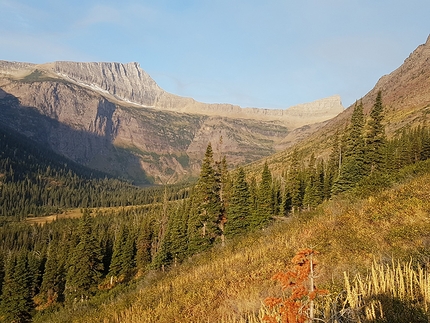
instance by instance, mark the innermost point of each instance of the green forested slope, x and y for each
(36, 181)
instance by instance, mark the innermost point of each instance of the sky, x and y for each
(253, 53)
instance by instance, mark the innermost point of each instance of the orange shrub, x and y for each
(298, 307)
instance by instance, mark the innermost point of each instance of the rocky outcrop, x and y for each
(126, 82)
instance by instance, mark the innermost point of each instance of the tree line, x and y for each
(38, 182)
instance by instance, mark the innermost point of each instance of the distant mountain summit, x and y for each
(115, 118)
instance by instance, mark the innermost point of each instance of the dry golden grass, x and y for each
(77, 213)
(41, 220)
(401, 284)
(229, 284)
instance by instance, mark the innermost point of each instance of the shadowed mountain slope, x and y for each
(130, 115)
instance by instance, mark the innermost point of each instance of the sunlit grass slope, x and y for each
(229, 284)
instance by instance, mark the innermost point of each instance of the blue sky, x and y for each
(254, 53)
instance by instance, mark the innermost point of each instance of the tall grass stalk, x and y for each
(366, 295)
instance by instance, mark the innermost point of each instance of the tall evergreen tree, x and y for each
(144, 244)
(287, 204)
(253, 191)
(295, 182)
(85, 265)
(178, 232)
(222, 176)
(53, 281)
(2, 269)
(206, 213)
(314, 188)
(425, 152)
(16, 301)
(333, 166)
(375, 139)
(123, 253)
(352, 169)
(265, 199)
(239, 211)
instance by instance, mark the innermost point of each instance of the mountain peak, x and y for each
(126, 82)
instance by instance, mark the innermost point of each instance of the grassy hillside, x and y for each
(229, 284)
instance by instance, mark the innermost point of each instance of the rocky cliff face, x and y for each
(127, 82)
(115, 118)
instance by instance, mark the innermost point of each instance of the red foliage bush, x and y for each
(298, 307)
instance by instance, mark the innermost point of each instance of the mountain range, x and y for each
(113, 117)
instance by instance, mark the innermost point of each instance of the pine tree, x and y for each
(333, 166)
(353, 165)
(2, 269)
(144, 244)
(239, 211)
(206, 213)
(16, 301)
(425, 153)
(287, 203)
(253, 193)
(375, 139)
(122, 261)
(53, 281)
(35, 264)
(85, 267)
(264, 199)
(314, 187)
(222, 176)
(295, 182)
(178, 233)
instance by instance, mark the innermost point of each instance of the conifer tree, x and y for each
(425, 152)
(253, 193)
(178, 232)
(294, 182)
(287, 204)
(353, 165)
(222, 176)
(16, 300)
(239, 211)
(85, 267)
(264, 200)
(314, 187)
(122, 261)
(333, 166)
(35, 264)
(53, 281)
(2, 269)
(174, 246)
(205, 216)
(144, 244)
(277, 198)
(375, 139)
